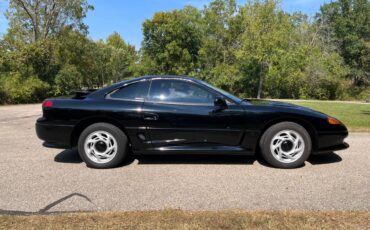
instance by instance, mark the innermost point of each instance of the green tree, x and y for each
(16, 89)
(75, 49)
(221, 30)
(221, 26)
(172, 41)
(347, 22)
(122, 59)
(265, 37)
(39, 60)
(33, 49)
(31, 20)
(256, 49)
(67, 80)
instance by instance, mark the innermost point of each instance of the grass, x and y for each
(356, 116)
(177, 219)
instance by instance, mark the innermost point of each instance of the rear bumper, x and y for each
(331, 141)
(53, 134)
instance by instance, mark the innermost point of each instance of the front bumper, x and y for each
(54, 134)
(331, 141)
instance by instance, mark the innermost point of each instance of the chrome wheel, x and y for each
(287, 146)
(100, 147)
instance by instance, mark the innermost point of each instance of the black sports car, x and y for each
(172, 114)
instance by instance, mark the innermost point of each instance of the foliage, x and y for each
(348, 24)
(67, 80)
(32, 20)
(252, 50)
(266, 37)
(19, 90)
(3, 96)
(172, 41)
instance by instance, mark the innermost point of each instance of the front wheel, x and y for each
(286, 145)
(102, 145)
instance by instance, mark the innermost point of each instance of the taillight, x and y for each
(47, 104)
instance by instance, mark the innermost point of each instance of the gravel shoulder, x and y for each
(34, 179)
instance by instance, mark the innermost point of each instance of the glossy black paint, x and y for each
(153, 127)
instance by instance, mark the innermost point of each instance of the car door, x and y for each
(125, 105)
(182, 113)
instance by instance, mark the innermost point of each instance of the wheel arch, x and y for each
(305, 124)
(82, 125)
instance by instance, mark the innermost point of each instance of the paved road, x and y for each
(37, 179)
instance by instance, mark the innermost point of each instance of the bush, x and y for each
(358, 93)
(19, 90)
(67, 80)
(2, 96)
(364, 95)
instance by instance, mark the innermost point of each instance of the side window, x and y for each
(135, 91)
(179, 92)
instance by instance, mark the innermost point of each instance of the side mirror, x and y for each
(220, 104)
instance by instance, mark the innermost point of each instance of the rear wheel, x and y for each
(286, 145)
(102, 145)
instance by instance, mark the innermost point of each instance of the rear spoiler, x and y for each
(80, 94)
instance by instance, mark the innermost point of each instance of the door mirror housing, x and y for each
(220, 104)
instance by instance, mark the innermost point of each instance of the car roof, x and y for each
(164, 77)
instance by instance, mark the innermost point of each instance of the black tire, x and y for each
(269, 134)
(119, 136)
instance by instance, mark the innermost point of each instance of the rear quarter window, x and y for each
(134, 91)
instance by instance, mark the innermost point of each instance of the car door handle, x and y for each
(151, 117)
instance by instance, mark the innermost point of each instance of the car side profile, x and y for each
(182, 115)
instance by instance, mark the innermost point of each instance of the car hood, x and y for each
(282, 105)
(270, 103)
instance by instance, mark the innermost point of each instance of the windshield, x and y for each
(232, 97)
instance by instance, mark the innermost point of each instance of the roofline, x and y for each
(167, 76)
